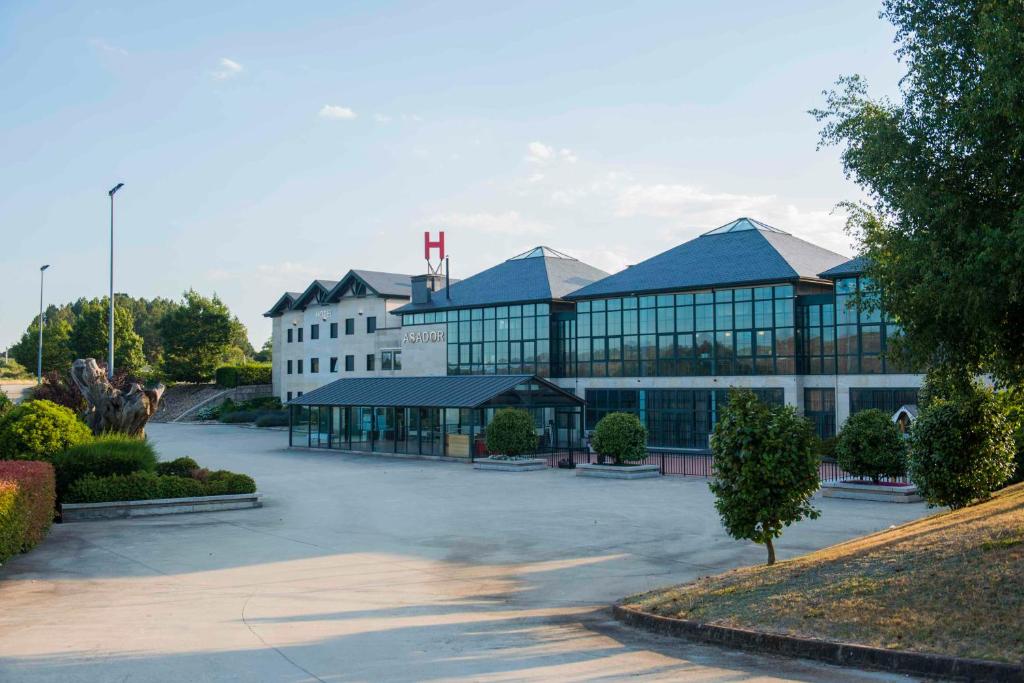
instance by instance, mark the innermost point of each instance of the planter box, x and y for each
(120, 509)
(902, 493)
(496, 465)
(618, 471)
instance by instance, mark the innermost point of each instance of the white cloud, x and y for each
(227, 68)
(539, 153)
(507, 222)
(673, 201)
(333, 111)
(104, 46)
(381, 118)
(568, 155)
(535, 178)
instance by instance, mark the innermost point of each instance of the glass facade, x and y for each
(820, 409)
(863, 332)
(675, 418)
(886, 400)
(495, 340)
(735, 331)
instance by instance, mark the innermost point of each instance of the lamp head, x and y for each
(114, 189)
(44, 267)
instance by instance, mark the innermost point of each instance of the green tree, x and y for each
(89, 336)
(196, 337)
(511, 432)
(870, 445)
(620, 436)
(766, 470)
(961, 450)
(944, 171)
(266, 352)
(57, 354)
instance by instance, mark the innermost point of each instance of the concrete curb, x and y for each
(842, 654)
(122, 509)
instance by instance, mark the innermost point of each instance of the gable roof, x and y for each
(538, 274)
(389, 285)
(454, 391)
(854, 266)
(283, 304)
(744, 251)
(318, 289)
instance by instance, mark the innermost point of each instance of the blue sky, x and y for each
(262, 145)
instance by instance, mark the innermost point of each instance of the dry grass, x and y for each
(951, 583)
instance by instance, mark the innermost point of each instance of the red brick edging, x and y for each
(842, 654)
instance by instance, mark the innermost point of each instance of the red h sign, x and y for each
(428, 245)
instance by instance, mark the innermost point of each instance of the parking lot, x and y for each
(370, 568)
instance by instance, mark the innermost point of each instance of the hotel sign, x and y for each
(431, 337)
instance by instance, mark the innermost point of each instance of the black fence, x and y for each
(685, 464)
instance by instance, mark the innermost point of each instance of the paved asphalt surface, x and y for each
(361, 568)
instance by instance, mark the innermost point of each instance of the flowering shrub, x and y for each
(27, 495)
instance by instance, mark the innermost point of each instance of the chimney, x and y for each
(425, 285)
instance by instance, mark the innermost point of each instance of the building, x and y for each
(745, 305)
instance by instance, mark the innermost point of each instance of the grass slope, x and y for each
(952, 583)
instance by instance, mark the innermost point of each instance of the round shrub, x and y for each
(179, 467)
(223, 482)
(620, 436)
(38, 430)
(239, 416)
(103, 456)
(961, 450)
(277, 418)
(766, 469)
(511, 432)
(870, 445)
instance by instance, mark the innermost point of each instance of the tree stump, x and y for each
(112, 409)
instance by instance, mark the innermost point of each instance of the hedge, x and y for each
(106, 455)
(27, 497)
(273, 419)
(231, 376)
(37, 430)
(179, 467)
(148, 486)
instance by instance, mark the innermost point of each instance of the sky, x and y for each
(263, 145)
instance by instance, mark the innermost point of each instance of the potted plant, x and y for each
(512, 441)
(621, 438)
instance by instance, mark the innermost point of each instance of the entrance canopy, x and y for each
(457, 391)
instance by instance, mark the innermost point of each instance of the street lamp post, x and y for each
(110, 336)
(39, 359)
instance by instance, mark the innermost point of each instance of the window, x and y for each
(299, 330)
(289, 365)
(334, 363)
(314, 365)
(820, 409)
(350, 363)
(391, 360)
(370, 362)
(299, 365)
(886, 400)
(314, 331)
(289, 396)
(371, 324)
(289, 335)
(334, 330)
(298, 394)
(350, 325)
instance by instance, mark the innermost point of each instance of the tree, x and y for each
(870, 445)
(944, 171)
(56, 348)
(766, 469)
(620, 436)
(266, 352)
(511, 432)
(961, 450)
(90, 335)
(195, 337)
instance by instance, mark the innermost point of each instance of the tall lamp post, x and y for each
(39, 359)
(110, 336)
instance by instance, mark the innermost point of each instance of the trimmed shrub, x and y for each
(223, 482)
(27, 497)
(620, 436)
(231, 376)
(511, 432)
(38, 430)
(106, 455)
(870, 445)
(240, 416)
(961, 450)
(278, 418)
(766, 469)
(134, 486)
(5, 404)
(179, 467)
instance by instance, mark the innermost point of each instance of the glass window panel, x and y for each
(630, 322)
(784, 312)
(763, 343)
(684, 299)
(783, 291)
(597, 305)
(762, 292)
(785, 344)
(846, 285)
(665, 300)
(647, 321)
(871, 339)
(684, 318)
(704, 298)
(763, 313)
(583, 307)
(647, 302)
(629, 302)
(614, 322)
(705, 317)
(666, 320)
(745, 294)
(723, 316)
(744, 314)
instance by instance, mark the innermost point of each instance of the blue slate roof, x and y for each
(456, 391)
(854, 266)
(540, 274)
(282, 304)
(396, 285)
(749, 252)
